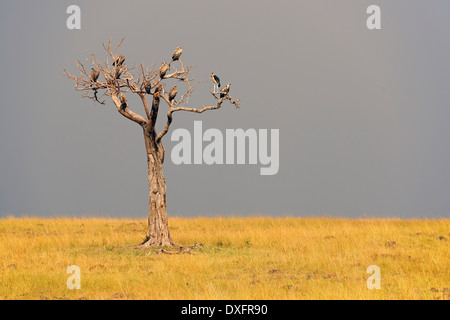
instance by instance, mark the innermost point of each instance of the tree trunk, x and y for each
(158, 227)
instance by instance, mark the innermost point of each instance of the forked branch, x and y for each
(115, 79)
(224, 95)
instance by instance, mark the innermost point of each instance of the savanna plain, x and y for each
(235, 258)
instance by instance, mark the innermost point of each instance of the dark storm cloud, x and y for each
(362, 114)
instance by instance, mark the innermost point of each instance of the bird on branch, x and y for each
(119, 61)
(172, 93)
(123, 101)
(225, 90)
(176, 54)
(94, 74)
(163, 70)
(158, 90)
(216, 81)
(148, 87)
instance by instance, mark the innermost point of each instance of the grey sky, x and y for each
(363, 115)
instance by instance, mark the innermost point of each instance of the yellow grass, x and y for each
(242, 258)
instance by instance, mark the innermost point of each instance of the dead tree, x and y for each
(116, 80)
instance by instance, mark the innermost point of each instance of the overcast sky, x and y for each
(362, 114)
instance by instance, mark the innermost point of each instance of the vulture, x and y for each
(163, 70)
(172, 93)
(148, 87)
(225, 91)
(216, 81)
(123, 101)
(158, 90)
(176, 54)
(94, 74)
(119, 61)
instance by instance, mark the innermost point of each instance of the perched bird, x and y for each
(158, 90)
(94, 74)
(225, 90)
(216, 81)
(148, 87)
(172, 93)
(119, 71)
(163, 70)
(176, 54)
(123, 101)
(119, 61)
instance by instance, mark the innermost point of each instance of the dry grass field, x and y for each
(241, 258)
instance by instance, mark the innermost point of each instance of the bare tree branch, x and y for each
(201, 110)
(118, 79)
(155, 109)
(127, 113)
(145, 103)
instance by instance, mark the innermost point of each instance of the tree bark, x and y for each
(158, 227)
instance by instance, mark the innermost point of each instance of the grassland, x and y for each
(241, 258)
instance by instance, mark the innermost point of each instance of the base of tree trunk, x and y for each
(149, 243)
